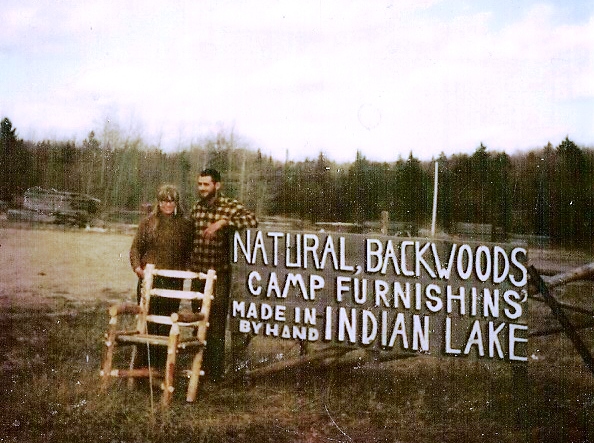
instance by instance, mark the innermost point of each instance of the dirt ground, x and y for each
(59, 269)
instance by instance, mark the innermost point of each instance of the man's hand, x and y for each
(210, 232)
(139, 271)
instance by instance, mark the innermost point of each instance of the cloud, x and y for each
(385, 78)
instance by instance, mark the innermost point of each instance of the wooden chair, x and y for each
(187, 333)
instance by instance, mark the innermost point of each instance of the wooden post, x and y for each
(385, 222)
(581, 273)
(520, 393)
(297, 362)
(562, 319)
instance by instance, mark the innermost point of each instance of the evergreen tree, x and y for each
(15, 163)
(359, 187)
(570, 193)
(415, 193)
(445, 200)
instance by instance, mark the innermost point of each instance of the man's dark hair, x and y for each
(212, 173)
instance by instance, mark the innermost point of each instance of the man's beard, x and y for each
(208, 196)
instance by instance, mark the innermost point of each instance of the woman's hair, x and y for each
(165, 192)
(168, 192)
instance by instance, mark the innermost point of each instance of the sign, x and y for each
(381, 292)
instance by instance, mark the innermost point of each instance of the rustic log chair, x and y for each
(187, 333)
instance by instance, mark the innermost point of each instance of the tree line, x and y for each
(545, 191)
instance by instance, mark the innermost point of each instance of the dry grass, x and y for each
(55, 285)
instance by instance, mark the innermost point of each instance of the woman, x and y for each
(164, 239)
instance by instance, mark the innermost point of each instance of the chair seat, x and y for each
(161, 340)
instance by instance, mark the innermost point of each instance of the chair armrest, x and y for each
(124, 308)
(189, 317)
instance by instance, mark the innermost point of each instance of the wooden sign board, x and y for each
(382, 292)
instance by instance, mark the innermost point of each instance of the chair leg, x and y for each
(170, 365)
(133, 357)
(108, 360)
(194, 376)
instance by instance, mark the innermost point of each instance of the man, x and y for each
(215, 218)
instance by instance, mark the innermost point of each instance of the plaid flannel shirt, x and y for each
(214, 253)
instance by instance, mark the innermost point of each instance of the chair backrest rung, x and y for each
(173, 293)
(176, 274)
(160, 319)
(205, 296)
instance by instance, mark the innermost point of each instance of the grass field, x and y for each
(56, 284)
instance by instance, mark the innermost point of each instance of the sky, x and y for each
(295, 79)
